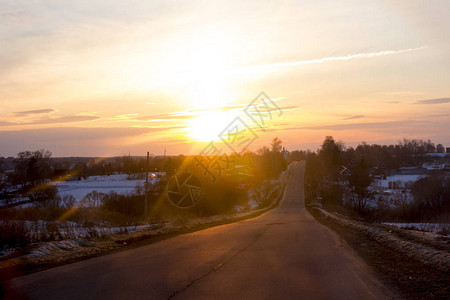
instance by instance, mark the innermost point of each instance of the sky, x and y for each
(103, 78)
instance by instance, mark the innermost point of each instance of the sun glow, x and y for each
(208, 126)
(203, 70)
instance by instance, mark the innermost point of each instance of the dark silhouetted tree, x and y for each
(329, 154)
(32, 168)
(359, 182)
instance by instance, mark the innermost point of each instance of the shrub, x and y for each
(13, 234)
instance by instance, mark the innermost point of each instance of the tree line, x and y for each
(342, 177)
(35, 170)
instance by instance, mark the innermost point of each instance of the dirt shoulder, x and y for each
(414, 265)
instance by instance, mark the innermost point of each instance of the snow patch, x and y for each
(118, 183)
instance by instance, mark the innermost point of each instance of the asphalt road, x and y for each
(283, 254)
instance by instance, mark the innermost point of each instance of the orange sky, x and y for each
(102, 79)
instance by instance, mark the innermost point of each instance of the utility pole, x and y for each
(146, 187)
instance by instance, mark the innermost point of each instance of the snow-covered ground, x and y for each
(118, 183)
(403, 178)
(415, 249)
(429, 227)
(69, 234)
(393, 195)
(69, 229)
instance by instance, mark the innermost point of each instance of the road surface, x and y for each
(282, 254)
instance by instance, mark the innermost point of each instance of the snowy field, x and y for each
(402, 178)
(118, 183)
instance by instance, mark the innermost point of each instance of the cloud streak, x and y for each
(66, 119)
(341, 58)
(434, 101)
(353, 117)
(47, 121)
(362, 126)
(192, 114)
(166, 117)
(35, 112)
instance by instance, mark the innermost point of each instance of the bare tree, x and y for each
(69, 201)
(93, 199)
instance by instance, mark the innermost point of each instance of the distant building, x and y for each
(285, 153)
(377, 173)
(447, 150)
(411, 170)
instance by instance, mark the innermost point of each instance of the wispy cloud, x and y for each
(191, 114)
(243, 106)
(289, 107)
(4, 123)
(341, 58)
(434, 101)
(166, 117)
(65, 119)
(399, 93)
(353, 117)
(35, 112)
(437, 116)
(361, 126)
(222, 108)
(48, 121)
